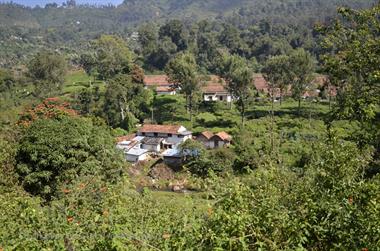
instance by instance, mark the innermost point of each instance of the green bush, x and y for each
(52, 152)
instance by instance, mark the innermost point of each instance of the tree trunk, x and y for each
(272, 123)
(122, 112)
(299, 106)
(242, 113)
(191, 107)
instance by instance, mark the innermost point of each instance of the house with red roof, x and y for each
(160, 84)
(212, 141)
(215, 90)
(152, 140)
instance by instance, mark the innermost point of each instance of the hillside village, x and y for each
(164, 140)
(190, 125)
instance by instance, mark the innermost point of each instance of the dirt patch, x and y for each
(160, 171)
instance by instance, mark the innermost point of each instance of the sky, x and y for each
(42, 3)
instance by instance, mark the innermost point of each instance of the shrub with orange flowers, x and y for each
(50, 108)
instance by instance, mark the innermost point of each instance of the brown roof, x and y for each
(125, 138)
(214, 85)
(164, 89)
(224, 136)
(156, 80)
(260, 83)
(207, 134)
(147, 128)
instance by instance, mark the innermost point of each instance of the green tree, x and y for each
(352, 63)
(126, 101)
(303, 68)
(48, 71)
(277, 72)
(55, 151)
(239, 77)
(175, 30)
(113, 56)
(183, 74)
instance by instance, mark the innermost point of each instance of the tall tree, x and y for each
(277, 72)
(303, 68)
(47, 70)
(175, 30)
(239, 77)
(125, 102)
(183, 74)
(353, 62)
(113, 56)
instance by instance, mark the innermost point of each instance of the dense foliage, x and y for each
(53, 152)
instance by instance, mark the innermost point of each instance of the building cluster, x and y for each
(165, 141)
(214, 89)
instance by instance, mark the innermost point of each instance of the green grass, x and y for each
(76, 81)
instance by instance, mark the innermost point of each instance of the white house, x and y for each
(136, 154)
(172, 135)
(215, 90)
(160, 84)
(152, 139)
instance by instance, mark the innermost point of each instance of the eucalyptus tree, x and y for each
(183, 73)
(237, 73)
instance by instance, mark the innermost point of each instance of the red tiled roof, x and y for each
(156, 80)
(147, 128)
(125, 138)
(260, 83)
(164, 89)
(207, 134)
(223, 136)
(214, 85)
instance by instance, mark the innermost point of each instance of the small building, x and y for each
(212, 141)
(215, 90)
(171, 134)
(172, 157)
(152, 144)
(160, 84)
(205, 138)
(136, 154)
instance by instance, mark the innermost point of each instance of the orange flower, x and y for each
(364, 249)
(210, 211)
(70, 219)
(166, 236)
(82, 185)
(350, 200)
(66, 191)
(105, 213)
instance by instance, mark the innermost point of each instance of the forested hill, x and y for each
(23, 30)
(135, 11)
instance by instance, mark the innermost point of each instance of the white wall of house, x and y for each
(166, 93)
(152, 148)
(135, 158)
(217, 97)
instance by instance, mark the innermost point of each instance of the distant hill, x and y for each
(24, 29)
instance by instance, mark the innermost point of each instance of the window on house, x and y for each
(170, 135)
(143, 133)
(155, 134)
(221, 98)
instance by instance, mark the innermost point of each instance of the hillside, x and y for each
(24, 29)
